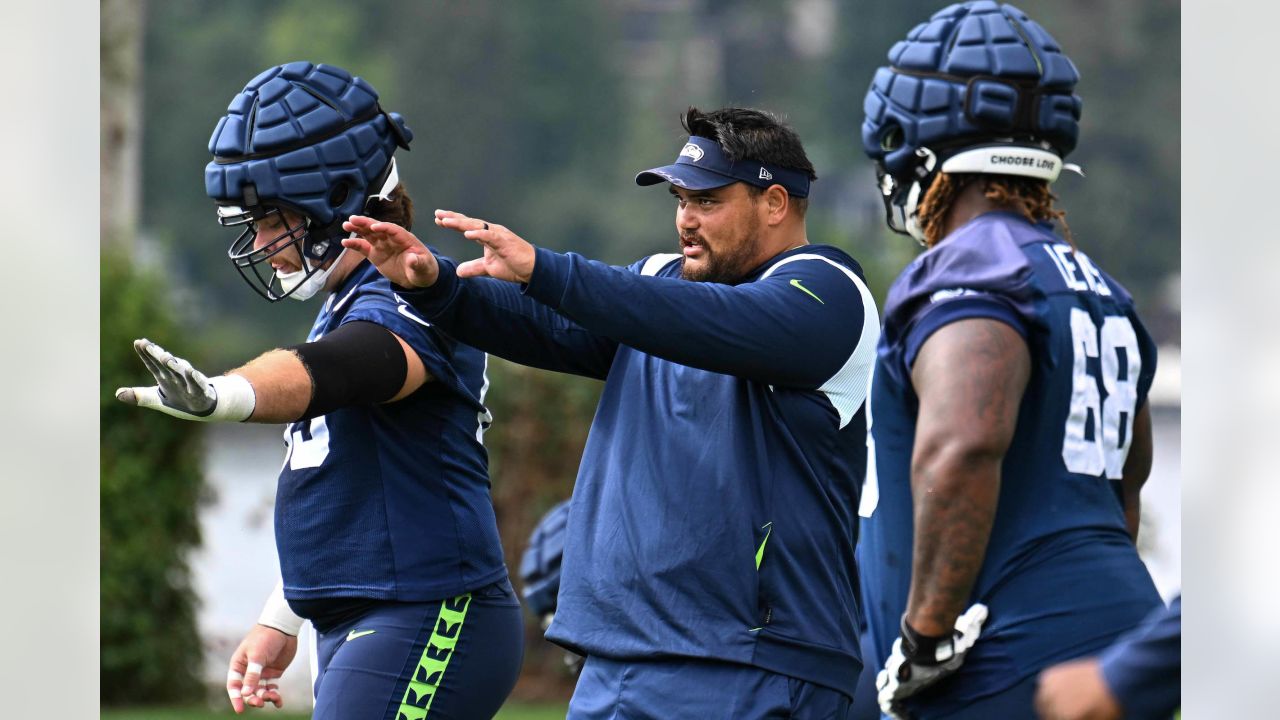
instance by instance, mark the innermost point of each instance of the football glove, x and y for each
(184, 392)
(917, 661)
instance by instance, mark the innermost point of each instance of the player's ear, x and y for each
(777, 202)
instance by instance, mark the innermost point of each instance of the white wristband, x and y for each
(235, 398)
(276, 613)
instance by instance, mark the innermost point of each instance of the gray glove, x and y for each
(921, 662)
(184, 392)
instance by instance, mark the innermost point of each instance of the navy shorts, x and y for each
(1015, 703)
(456, 658)
(701, 689)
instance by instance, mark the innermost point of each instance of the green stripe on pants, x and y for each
(429, 674)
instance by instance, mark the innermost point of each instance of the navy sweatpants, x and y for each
(661, 689)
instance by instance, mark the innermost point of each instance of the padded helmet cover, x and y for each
(311, 138)
(974, 73)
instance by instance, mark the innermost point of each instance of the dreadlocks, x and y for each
(1028, 196)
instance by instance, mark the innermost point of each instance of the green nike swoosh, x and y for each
(795, 282)
(353, 634)
(769, 525)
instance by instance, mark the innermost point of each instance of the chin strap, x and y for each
(309, 281)
(393, 179)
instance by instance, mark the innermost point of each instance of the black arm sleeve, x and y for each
(359, 363)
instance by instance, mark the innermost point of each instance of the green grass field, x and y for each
(511, 711)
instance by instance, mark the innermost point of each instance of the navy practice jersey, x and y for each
(390, 501)
(714, 514)
(1061, 576)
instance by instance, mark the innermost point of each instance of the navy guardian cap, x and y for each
(978, 88)
(540, 565)
(702, 165)
(309, 139)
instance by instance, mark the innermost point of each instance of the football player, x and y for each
(1010, 425)
(540, 571)
(385, 529)
(708, 566)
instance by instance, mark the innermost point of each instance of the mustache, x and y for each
(691, 238)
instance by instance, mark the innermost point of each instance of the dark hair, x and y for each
(398, 208)
(746, 134)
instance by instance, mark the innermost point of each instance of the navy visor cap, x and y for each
(701, 165)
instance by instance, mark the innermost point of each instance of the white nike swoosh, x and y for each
(404, 310)
(338, 305)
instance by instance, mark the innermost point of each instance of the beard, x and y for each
(727, 265)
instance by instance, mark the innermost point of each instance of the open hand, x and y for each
(180, 389)
(397, 253)
(506, 255)
(184, 392)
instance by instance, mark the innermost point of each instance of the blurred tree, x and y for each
(121, 126)
(151, 482)
(150, 465)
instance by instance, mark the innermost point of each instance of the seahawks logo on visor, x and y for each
(691, 151)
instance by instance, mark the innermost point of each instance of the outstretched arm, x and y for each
(358, 363)
(486, 313)
(796, 327)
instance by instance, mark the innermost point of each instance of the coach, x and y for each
(708, 568)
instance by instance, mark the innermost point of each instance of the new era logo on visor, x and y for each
(765, 174)
(691, 151)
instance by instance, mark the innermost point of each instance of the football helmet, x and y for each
(978, 88)
(303, 147)
(540, 566)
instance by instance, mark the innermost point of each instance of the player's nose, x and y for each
(686, 220)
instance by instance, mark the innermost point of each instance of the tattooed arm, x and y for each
(969, 376)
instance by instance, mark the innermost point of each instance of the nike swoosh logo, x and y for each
(338, 305)
(353, 634)
(795, 283)
(404, 310)
(768, 532)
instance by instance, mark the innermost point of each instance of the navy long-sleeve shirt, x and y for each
(1144, 667)
(714, 513)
